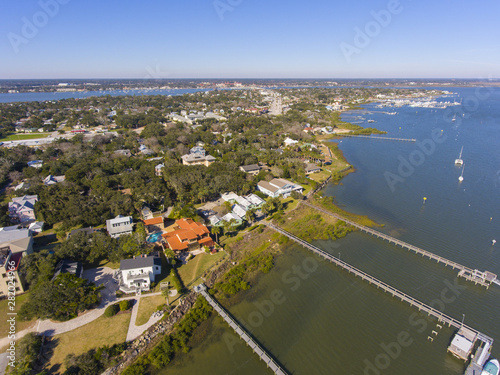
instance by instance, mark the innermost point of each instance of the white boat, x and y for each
(454, 118)
(459, 161)
(461, 178)
(492, 367)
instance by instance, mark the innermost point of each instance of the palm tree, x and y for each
(250, 215)
(215, 230)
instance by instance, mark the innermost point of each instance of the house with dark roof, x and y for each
(89, 231)
(67, 266)
(251, 169)
(188, 235)
(138, 273)
(311, 168)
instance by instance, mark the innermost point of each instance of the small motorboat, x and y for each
(492, 367)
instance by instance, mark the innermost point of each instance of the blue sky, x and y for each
(249, 39)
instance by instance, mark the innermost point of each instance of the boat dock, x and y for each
(483, 278)
(240, 331)
(472, 334)
(379, 138)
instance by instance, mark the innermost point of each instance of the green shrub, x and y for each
(111, 310)
(125, 304)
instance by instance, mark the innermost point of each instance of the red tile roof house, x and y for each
(188, 236)
(155, 224)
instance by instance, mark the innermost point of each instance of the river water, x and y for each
(317, 319)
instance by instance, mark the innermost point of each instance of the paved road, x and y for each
(135, 331)
(100, 276)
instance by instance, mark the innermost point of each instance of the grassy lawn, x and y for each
(198, 265)
(107, 263)
(23, 136)
(4, 309)
(147, 306)
(100, 332)
(319, 176)
(290, 204)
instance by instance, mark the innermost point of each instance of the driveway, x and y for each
(99, 276)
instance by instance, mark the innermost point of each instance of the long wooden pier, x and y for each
(441, 317)
(240, 331)
(484, 278)
(379, 138)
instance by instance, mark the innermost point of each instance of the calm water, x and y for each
(42, 96)
(330, 322)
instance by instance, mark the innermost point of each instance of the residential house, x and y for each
(125, 152)
(251, 169)
(232, 216)
(10, 281)
(35, 163)
(17, 239)
(229, 197)
(138, 273)
(119, 225)
(215, 116)
(22, 209)
(215, 220)
(239, 210)
(158, 169)
(89, 231)
(145, 150)
(278, 187)
(51, 180)
(188, 236)
(22, 186)
(311, 168)
(177, 118)
(155, 224)
(67, 266)
(36, 227)
(256, 201)
(198, 150)
(290, 142)
(194, 159)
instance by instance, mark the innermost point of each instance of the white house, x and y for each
(119, 225)
(51, 180)
(239, 210)
(138, 273)
(290, 142)
(256, 201)
(277, 187)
